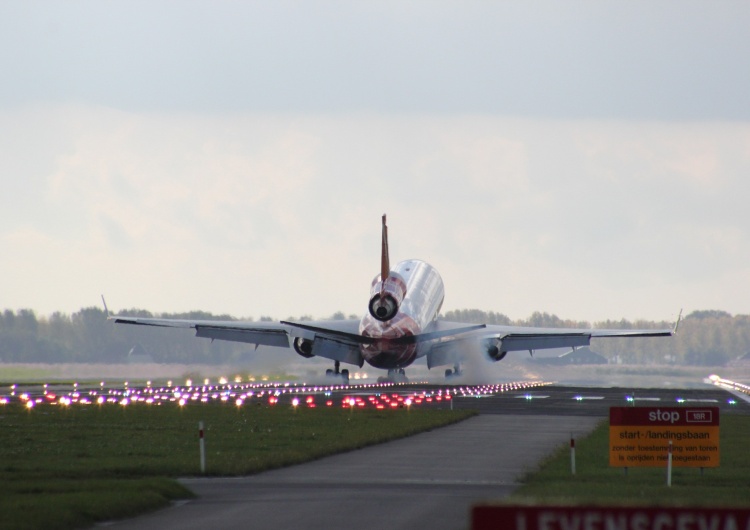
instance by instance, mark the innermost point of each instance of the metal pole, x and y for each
(202, 446)
(669, 465)
(572, 455)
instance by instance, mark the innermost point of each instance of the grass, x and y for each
(66, 467)
(598, 484)
(19, 372)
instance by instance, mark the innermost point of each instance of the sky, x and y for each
(588, 159)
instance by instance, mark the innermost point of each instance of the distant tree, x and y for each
(545, 320)
(476, 316)
(710, 313)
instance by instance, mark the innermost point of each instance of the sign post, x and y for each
(669, 466)
(202, 445)
(572, 455)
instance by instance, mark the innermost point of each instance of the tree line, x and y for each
(710, 338)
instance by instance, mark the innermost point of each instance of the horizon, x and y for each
(700, 313)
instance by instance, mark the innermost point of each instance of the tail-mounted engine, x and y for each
(303, 347)
(492, 348)
(386, 297)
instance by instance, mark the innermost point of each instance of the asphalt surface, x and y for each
(426, 481)
(590, 401)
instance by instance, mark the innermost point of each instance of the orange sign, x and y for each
(640, 436)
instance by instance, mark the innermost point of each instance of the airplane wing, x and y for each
(499, 340)
(330, 339)
(520, 339)
(446, 343)
(258, 333)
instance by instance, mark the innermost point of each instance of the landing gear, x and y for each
(455, 372)
(395, 375)
(337, 373)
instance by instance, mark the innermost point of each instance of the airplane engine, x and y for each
(304, 347)
(386, 297)
(492, 347)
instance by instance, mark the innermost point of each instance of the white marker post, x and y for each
(669, 465)
(202, 446)
(572, 455)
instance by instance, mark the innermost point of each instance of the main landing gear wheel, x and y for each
(395, 375)
(336, 373)
(455, 372)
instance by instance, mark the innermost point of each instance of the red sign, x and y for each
(663, 416)
(603, 518)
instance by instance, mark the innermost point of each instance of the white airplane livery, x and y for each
(402, 325)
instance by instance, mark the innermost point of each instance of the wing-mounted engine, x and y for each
(386, 296)
(492, 348)
(303, 347)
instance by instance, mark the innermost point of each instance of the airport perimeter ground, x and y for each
(430, 480)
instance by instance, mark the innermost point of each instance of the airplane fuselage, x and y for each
(417, 311)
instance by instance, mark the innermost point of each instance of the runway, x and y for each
(591, 401)
(426, 481)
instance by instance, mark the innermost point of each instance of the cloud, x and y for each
(277, 214)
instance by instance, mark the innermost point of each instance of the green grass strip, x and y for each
(66, 467)
(595, 483)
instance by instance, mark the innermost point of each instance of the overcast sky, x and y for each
(588, 159)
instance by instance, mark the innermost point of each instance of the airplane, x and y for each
(401, 325)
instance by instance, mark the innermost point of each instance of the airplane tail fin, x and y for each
(385, 264)
(677, 324)
(387, 294)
